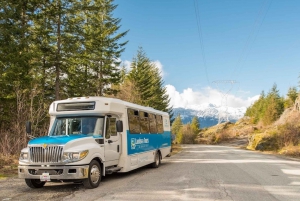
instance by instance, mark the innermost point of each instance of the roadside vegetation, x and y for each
(271, 124)
(185, 133)
(8, 166)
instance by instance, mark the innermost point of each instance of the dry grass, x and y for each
(225, 132)
(293, 151)
(175, 149)
(8, 166)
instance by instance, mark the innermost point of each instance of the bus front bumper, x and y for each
(55, 172)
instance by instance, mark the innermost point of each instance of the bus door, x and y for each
(112, 141)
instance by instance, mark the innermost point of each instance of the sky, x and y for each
(208, 48)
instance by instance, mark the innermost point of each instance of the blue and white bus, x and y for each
(90, 137)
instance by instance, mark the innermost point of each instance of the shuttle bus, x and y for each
(90, 137)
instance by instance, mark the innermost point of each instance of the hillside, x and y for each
(230, 133)
(282, 136)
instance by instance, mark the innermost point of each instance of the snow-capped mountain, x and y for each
(208, 114)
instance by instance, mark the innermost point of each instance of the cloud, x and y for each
(191, 99)
(160, 67)
(127, 65)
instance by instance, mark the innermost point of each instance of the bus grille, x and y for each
(50, 154)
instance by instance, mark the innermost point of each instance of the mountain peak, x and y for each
(208, 114)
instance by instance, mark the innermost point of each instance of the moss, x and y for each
(263, 142)
(254, 140)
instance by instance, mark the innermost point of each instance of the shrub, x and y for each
(264, 141)
(289, 135)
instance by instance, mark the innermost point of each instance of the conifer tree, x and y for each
(140, 76)
(291, 97)
(177, 124)
(101, 47)
(148, 82)
(274, 106)
(293, 94)
(195, 125)
(257, 110)
(15, 58)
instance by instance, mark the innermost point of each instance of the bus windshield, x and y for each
(78, 125)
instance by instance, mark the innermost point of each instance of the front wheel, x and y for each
(156, 160)
(34, 183)
(94, 177)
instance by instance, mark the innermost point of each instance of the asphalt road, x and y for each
(203, 172)
(199, 172)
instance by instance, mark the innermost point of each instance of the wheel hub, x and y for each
(95, 174)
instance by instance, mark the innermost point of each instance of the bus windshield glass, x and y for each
(78, 125)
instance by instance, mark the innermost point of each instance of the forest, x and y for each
(56, 49)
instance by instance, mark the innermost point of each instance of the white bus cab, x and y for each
(92, 136)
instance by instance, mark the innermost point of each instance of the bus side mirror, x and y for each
(28, 127)
(119, 126)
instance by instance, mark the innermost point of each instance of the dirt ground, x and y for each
(13, 188)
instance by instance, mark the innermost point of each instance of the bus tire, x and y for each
(94, 176)
(156, 162)
(34, 183)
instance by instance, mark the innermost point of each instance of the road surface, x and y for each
(205, 172)
(199, 172)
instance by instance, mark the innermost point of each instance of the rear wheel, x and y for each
(94, 177)
(156, 162)
(34, 183)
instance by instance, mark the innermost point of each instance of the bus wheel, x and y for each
(156, 162)
(34, 183)
(94, 176)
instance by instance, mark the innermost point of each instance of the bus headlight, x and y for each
(74, 156)
(23, 156)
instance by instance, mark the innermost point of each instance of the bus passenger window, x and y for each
(152, 119)
(144, 121)
(160, 128)
(134, 121)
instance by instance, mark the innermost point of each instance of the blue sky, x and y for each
(255, 43)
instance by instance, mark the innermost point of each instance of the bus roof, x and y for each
(94, 105)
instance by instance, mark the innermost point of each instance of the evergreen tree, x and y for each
(177, 124)
(292, 93)
(101, 47)
(148, 84)
(257, 110)
(140, 76)
(15, 57)
(274, 106)
(195, 125)
(291, 97)
(52, 49)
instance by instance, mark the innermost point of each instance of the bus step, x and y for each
(111, 170)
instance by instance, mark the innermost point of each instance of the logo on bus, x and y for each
(133, 140)
(141, 142)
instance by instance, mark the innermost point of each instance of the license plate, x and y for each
(45, 177)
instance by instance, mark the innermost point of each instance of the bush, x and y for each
(289, 135)
(291, 151)
(264, 142)
(186, 135)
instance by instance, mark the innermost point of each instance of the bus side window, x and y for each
(160, 128)
(153, 128)
(144, 121)
(134, 121)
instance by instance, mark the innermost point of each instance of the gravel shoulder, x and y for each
(13, 188)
